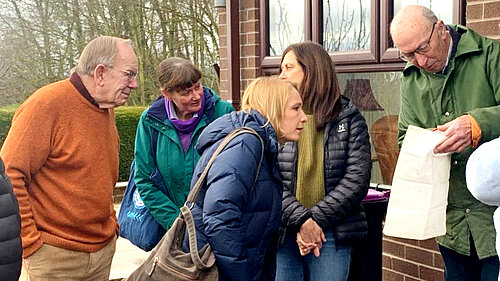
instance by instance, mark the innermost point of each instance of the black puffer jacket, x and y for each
(347, 167)
(10, 230)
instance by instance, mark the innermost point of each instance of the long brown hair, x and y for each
(319, 89)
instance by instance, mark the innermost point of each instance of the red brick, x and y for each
(223, 52)
(393, 248)
(223, 63)
(474, 12)
(431, 274)
(249, 73)
(223, 74)
(251, 50)
(386, 262)
(249, 62)
(409, 278)
(486, 28)
(430, 244)
(223, 86)
(224, 94)
(249, 26)
(248, 4)
(223, 41)
(222, 16)
(252, 38)
(249, 39)
(222, 30)
(438, 261)
(244, 84)
(388, 275)
(243, 63)
(492, 10)
(420, 255)
(253, 62)
(243, 16)
(253, 14)
(405, 267)
(401, 240)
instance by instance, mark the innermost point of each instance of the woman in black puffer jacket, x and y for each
(326, 174)
(10, 231)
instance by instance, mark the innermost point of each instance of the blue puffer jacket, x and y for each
(10, 231)
(239, 220)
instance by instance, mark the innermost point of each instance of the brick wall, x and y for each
(408, 260)
(484, 17)
(223, 53)
(249, 41)
(249, 45)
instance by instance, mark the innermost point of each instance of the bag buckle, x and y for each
(190, 205)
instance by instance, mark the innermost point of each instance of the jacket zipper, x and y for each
(153, 266)
(169, 268)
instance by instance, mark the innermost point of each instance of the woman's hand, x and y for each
(310, 231)
(310, 237)
(305, 247)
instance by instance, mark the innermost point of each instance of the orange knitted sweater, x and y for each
(61, 155)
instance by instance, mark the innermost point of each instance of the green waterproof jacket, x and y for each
(470, 86)
(175, 166)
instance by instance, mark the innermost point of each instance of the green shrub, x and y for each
(127, 118)
(6, 114)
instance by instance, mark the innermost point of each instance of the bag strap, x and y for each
(238, 131)
(185, 211)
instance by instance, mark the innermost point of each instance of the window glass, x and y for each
(286, 24)
(377, 96)
(442, 8)
(346, 25)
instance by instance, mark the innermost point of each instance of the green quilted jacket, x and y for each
(175, 166)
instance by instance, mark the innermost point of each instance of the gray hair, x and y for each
(429, 15)
(101, 50)
(177, 74)
(400, 18)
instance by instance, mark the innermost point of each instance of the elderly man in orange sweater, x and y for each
(61, 154)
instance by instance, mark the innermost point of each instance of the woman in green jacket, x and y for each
(178, 116)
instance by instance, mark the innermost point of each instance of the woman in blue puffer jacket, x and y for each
(240, 219)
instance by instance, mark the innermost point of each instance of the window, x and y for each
(346, 25)
(286, 24)
(355, 32)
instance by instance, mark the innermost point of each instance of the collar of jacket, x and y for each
(467, 45)
(347, 108)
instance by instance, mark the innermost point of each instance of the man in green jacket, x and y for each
(452, 84)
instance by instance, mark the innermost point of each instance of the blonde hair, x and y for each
(101, 50)
(269, 96)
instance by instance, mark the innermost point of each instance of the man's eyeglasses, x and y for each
(420, 50)
(129, 73)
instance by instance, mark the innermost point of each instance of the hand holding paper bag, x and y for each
(419, 195)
